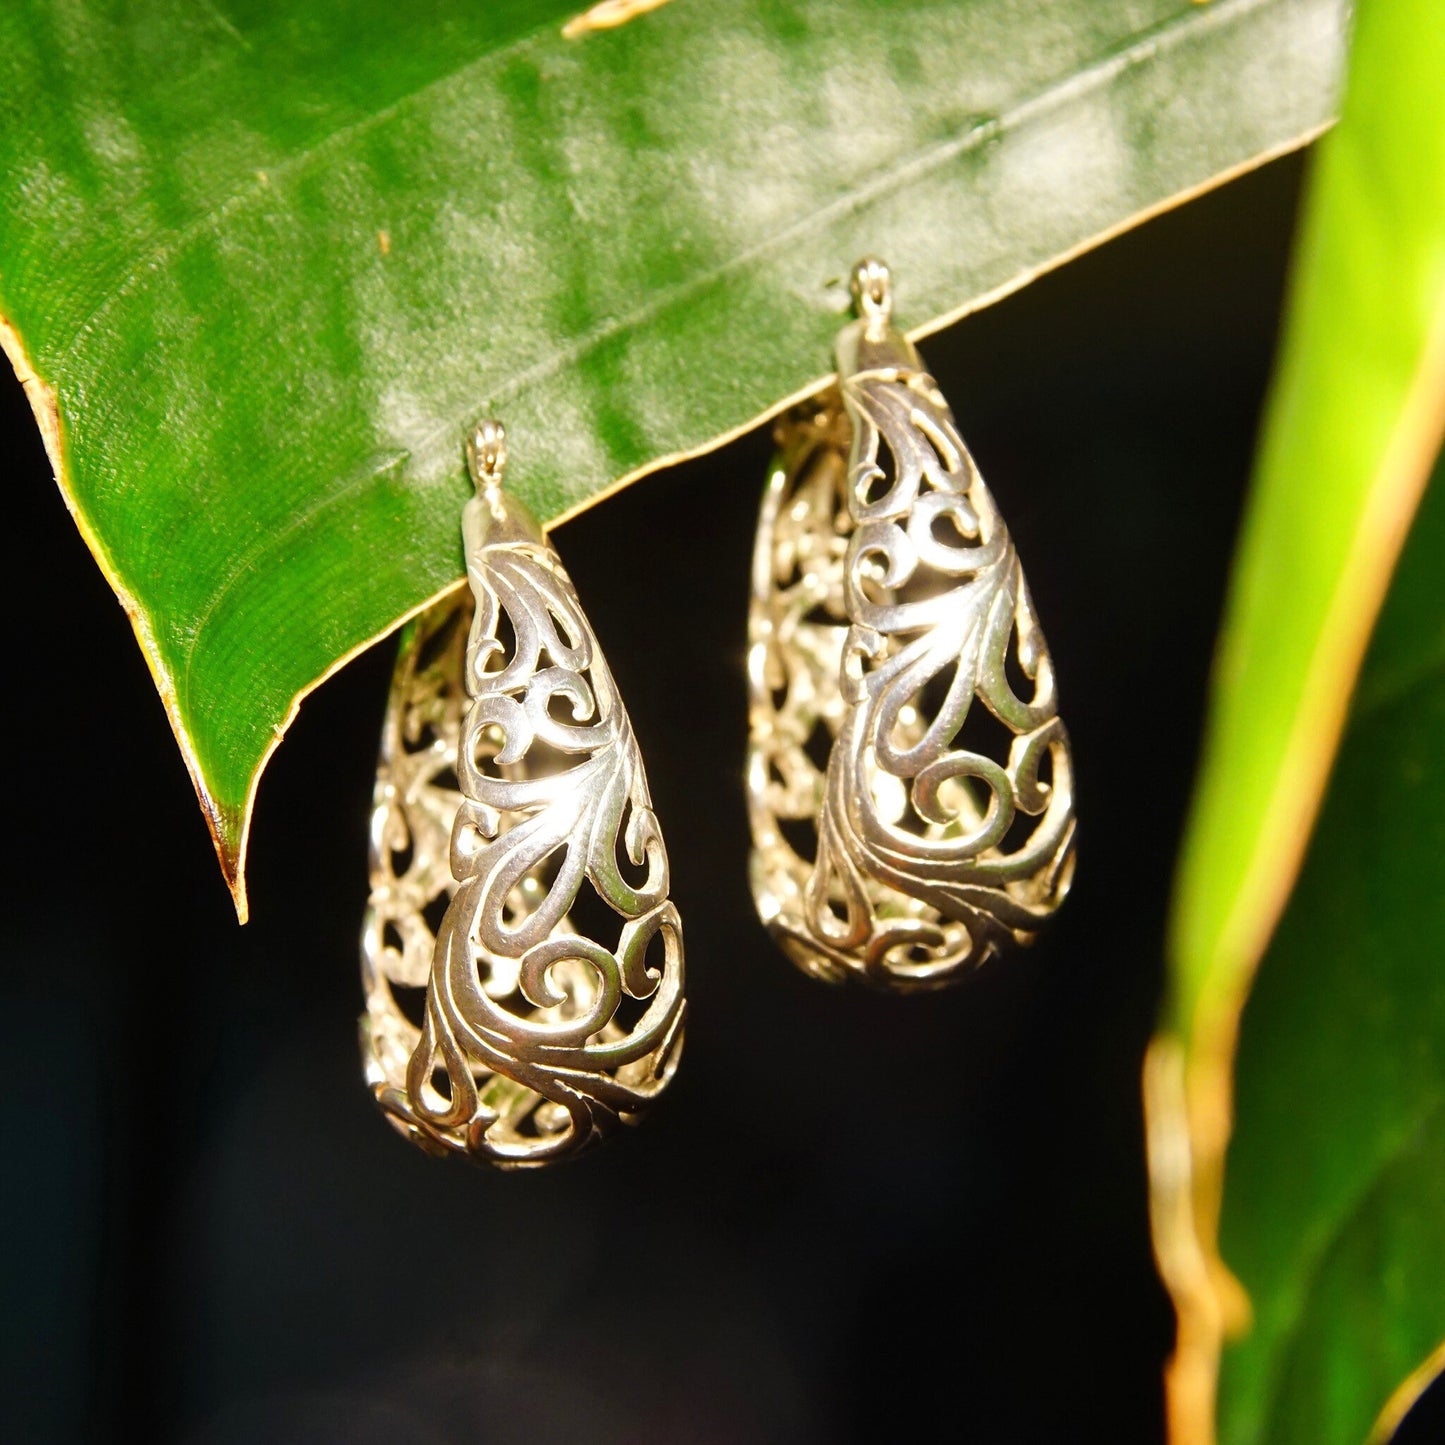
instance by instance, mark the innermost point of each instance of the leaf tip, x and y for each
(228, 829)
(229, 834)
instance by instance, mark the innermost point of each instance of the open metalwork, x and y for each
(909, 778)
(497, 1024)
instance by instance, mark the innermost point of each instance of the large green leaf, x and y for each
(263, 259)
(1354, 425)
(1334, 1215)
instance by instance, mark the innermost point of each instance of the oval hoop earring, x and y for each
(909, 779)
(496, 1024)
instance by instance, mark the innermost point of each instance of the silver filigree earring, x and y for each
(909, 778)
(496, 1024)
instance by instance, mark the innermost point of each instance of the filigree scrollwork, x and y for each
(909, 777)
(510, 778)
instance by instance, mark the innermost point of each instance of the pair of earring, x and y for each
(909, 778)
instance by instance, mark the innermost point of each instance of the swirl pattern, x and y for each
(509, 779)
(909, 777)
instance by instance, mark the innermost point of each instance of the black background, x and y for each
(852, 1218)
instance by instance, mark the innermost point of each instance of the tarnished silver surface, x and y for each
(509, 778)
(909, 778)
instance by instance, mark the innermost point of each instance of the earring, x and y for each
(909, 779)
(508, 776)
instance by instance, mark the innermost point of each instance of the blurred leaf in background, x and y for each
(1332, 1210)
(261, 263)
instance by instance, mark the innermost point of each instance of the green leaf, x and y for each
(263, 261)
(1354, 426)
(1334, 1212)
